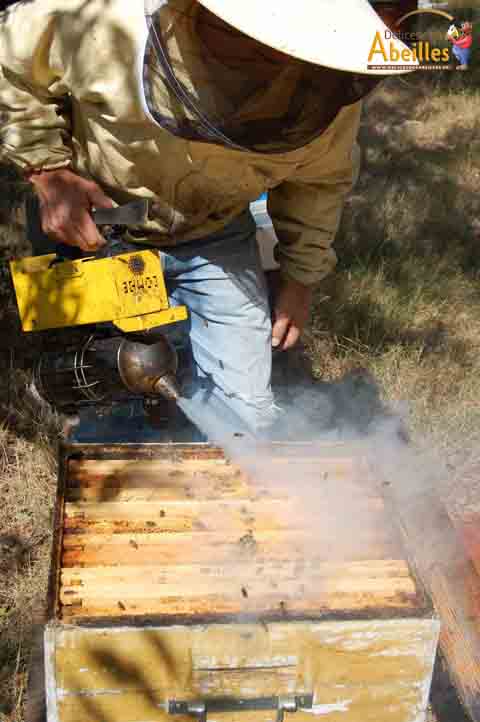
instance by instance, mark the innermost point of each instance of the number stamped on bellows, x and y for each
(142, 283)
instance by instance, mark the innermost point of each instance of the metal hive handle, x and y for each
(200, 708)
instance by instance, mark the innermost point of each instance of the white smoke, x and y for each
(339, 459)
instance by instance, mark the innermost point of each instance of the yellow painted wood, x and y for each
(268, 682)
(222, 546)
(356, 670)
(394, 703)
(355, 646)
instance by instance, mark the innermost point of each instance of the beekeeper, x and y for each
(199, 106)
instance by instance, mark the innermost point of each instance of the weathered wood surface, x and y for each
(462, 653)
(450, 574)
(469, 530)
(238, 587)
(374, 671)
(34, 707)
(191, 534)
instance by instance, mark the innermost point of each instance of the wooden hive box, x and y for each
(182, 588)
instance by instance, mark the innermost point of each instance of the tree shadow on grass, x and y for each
(413, 218)
(365, 323)
(412, 188)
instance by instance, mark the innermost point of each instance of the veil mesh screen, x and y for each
(206, 81)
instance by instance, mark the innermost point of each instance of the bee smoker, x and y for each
(101, 371)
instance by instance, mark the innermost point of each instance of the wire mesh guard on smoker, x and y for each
(103, 370)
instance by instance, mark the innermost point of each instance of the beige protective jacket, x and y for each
(70, 96)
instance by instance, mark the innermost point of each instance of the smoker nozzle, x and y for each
(167, 387)
(149, 369)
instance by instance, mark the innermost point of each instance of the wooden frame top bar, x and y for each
(176, 532)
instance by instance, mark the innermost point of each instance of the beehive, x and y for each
(183, 587)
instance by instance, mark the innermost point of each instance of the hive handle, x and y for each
(201, 708)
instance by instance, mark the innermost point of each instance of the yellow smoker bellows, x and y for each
(128, 290)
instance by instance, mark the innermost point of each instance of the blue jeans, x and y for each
(462, 54)
(220, 280)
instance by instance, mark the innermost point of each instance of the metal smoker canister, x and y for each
(103, 370)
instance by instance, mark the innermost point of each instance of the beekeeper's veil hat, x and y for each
(259, 75)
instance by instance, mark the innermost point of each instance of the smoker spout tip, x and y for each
(167, 387)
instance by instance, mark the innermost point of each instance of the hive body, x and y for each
(181, 577)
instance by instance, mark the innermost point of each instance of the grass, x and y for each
(405, 305)
(405, 301)
(27, 479)
(26, 491)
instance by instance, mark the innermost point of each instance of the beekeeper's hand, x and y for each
(290, 313)
(66, 201)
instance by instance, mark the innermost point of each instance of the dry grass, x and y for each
(404, 305)
(26, 493)
(27, 481)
